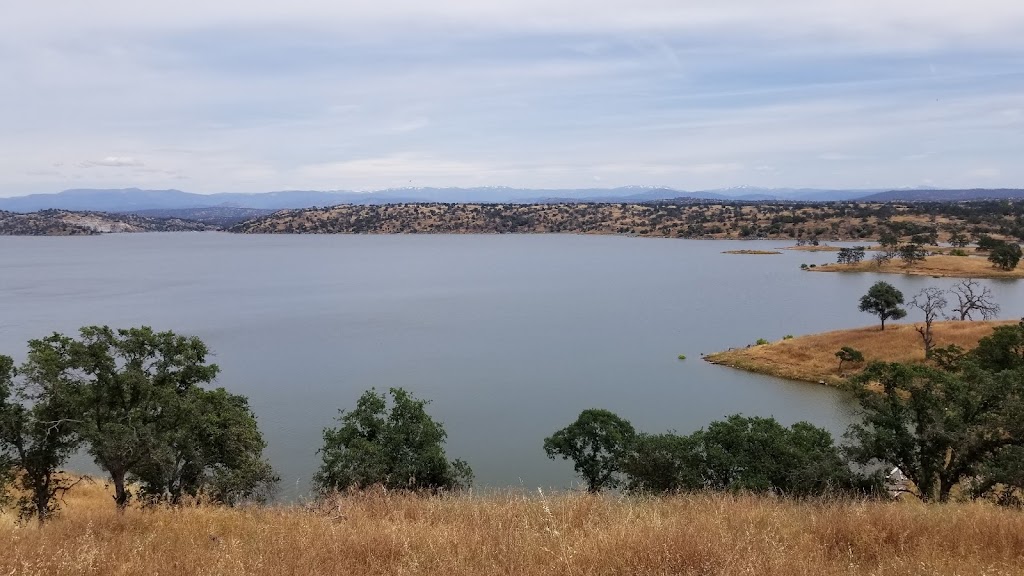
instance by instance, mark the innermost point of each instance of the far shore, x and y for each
(812, 358)
(935, 266)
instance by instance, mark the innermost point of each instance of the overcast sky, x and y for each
(251, 95)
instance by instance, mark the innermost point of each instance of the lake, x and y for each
(510, 336)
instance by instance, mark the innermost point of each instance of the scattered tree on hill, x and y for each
(851, 255)
(597, 443)
(988, 243)
(848, 354)
(1002, 478)
(1005, 256)
(664, 463)
(141, 414)
(973, 298)
(949, 358)
(931, 301)
(397, 446)
(912, 254)
(741, 454)
(958, 239)
(1002, 350)
(760, 455)
(889, 242)
(132, 379)
(211, 445)
(938, 427)
(883, 300)
(36, 437)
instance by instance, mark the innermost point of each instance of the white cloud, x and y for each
(260, 95)
(112, 162)
(879, 23)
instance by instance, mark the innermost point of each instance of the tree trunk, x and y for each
(944, 490)
(41, 508)
(120, 493)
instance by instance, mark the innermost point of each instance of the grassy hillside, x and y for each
(812, 358)
(378, 534)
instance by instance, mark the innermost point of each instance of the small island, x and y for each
(813, 358)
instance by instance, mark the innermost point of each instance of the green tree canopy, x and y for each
(36, 438)
(142, 414)
(398, 446)
(211, 445)
(759, 454)
(939, 428)
(597, 443)
(664, 463)
(883, 300)
(1003, 349)
(912, 254)
(1005, 256)
(741, 454)
(849, 354)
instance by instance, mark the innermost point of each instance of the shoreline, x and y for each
(938, 266)
(811, 358)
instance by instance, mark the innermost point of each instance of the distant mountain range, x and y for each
(945, 195)
(225, 207)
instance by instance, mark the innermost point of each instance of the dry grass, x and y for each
(938, 266)
(568, 534)
(812, 358)
(753, 252)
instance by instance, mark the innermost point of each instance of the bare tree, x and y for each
(973, 298)
(931, 301)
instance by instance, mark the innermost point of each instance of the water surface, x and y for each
(510, 336)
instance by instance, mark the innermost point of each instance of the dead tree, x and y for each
(931, 301)
(973, 298)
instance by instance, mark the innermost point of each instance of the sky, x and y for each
(251, 95)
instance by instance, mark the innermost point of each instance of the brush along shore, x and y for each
(812, 358)
(936, 266)
(385, 533)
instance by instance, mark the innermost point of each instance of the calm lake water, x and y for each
(509, 336)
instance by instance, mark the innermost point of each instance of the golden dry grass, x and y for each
(941, 266)
(812, 358)
(509, 533)
(752, 252)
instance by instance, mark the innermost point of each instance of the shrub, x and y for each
(761, 341)
(682, 356)
(1006, 256)
(398, 446)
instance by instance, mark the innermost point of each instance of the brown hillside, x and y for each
(812, 358)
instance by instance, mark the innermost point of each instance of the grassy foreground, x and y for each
(938, 266)
(377, 533)
(813, 358)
